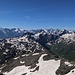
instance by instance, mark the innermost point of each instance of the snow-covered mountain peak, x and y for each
(69, 36)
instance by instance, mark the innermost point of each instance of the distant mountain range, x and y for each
(36, 52)
(10, 33)
(14, 32)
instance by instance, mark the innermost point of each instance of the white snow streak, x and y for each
(45, 68)
(35, 53)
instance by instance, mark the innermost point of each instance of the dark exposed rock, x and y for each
(64, 69)
(24, 74)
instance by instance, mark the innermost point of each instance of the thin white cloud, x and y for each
(4, 21)
(5, 12)
(28, 10)
(42, 19)
(45, 19)
(72, 29)
(27, 17)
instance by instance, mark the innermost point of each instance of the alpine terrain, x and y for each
(37, 52)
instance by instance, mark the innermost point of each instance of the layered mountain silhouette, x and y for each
(36, 52)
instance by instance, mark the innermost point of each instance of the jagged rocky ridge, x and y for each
(14, 32)
(37, 48)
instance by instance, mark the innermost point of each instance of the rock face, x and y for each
(41, 66)
(36, 52)
(10, 33)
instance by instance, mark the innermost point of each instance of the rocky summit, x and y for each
(37, 52)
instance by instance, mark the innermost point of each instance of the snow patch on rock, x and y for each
(35, 53)
(72, 72)
(45, 68)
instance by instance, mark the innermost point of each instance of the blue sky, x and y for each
(35, 14)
